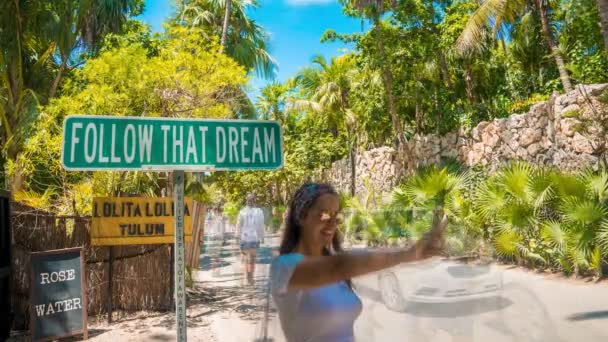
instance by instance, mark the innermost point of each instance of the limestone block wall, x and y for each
(548, 134)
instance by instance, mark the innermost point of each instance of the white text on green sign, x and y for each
(137, 143)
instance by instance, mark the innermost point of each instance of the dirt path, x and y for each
(219, 307)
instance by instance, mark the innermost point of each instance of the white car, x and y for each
(439, 281)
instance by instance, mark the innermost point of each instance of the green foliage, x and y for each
(535, 216)
(187, 77)
(547, 218)
(524, 105)
(41, 44)
(246, 40)
(231, 210)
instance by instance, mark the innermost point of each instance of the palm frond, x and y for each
(596, 184)
(305, 106)
(582, 211)
(535, 257)
(490, 15)
(478, 24)
(595, 261)
(490, 199)
(541, 188)
(568, 185)
(553, 232)
(516, 179)
(507, 244)
(578, 258)
(602, 236)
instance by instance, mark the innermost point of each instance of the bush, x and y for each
(535, 216)
(231, 211)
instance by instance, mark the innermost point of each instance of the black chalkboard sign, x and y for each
(58, 294)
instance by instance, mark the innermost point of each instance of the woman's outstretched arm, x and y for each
(319, 271)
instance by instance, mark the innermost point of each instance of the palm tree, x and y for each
(36, 41)
(326, 90)
(228, 5)
(241, 37)
(433, 194)
(272, 101)
(499, 12)
(82, 24)
(374, 9)
(271, 104)
(602, 6)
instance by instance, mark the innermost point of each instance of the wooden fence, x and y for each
(141, 274)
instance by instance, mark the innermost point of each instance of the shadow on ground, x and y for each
(248, 301)
(459, 309)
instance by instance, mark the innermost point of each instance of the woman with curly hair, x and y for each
(310, 281)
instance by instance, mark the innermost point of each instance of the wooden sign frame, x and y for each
(84, 331)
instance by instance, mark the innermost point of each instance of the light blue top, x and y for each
(324, 314)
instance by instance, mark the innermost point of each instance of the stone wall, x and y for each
(378, 167)
(548, 135)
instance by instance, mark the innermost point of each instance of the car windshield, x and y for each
(467, 271)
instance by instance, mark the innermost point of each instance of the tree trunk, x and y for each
(468, 82)
(559, 59)
(444, 71)
(602, 6)
(419, 116)
(55, 85)
(439, 223)
(387, 80)
(226, 23)
(353, 169)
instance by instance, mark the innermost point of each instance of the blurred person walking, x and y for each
(250, 232)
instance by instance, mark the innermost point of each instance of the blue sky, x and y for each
(294, 26)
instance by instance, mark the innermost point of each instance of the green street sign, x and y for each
(95, 142)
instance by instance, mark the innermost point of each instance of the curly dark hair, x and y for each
(303, 199)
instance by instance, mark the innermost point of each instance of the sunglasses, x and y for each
(326, 216)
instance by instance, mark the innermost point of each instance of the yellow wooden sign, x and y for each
(136, 220)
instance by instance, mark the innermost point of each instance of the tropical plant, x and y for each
(326, 91)
(366, 219)
(434, 196)
(240, 36)
(374, 9)
(272, 102)
(580, 236)
(76, 25)
(498, 14)
(511, 203)
(41, 42)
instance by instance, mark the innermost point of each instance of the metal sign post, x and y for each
(180, 256)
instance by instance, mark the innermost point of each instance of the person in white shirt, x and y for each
(250, 232)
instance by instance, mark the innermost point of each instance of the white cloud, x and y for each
(308, 2)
